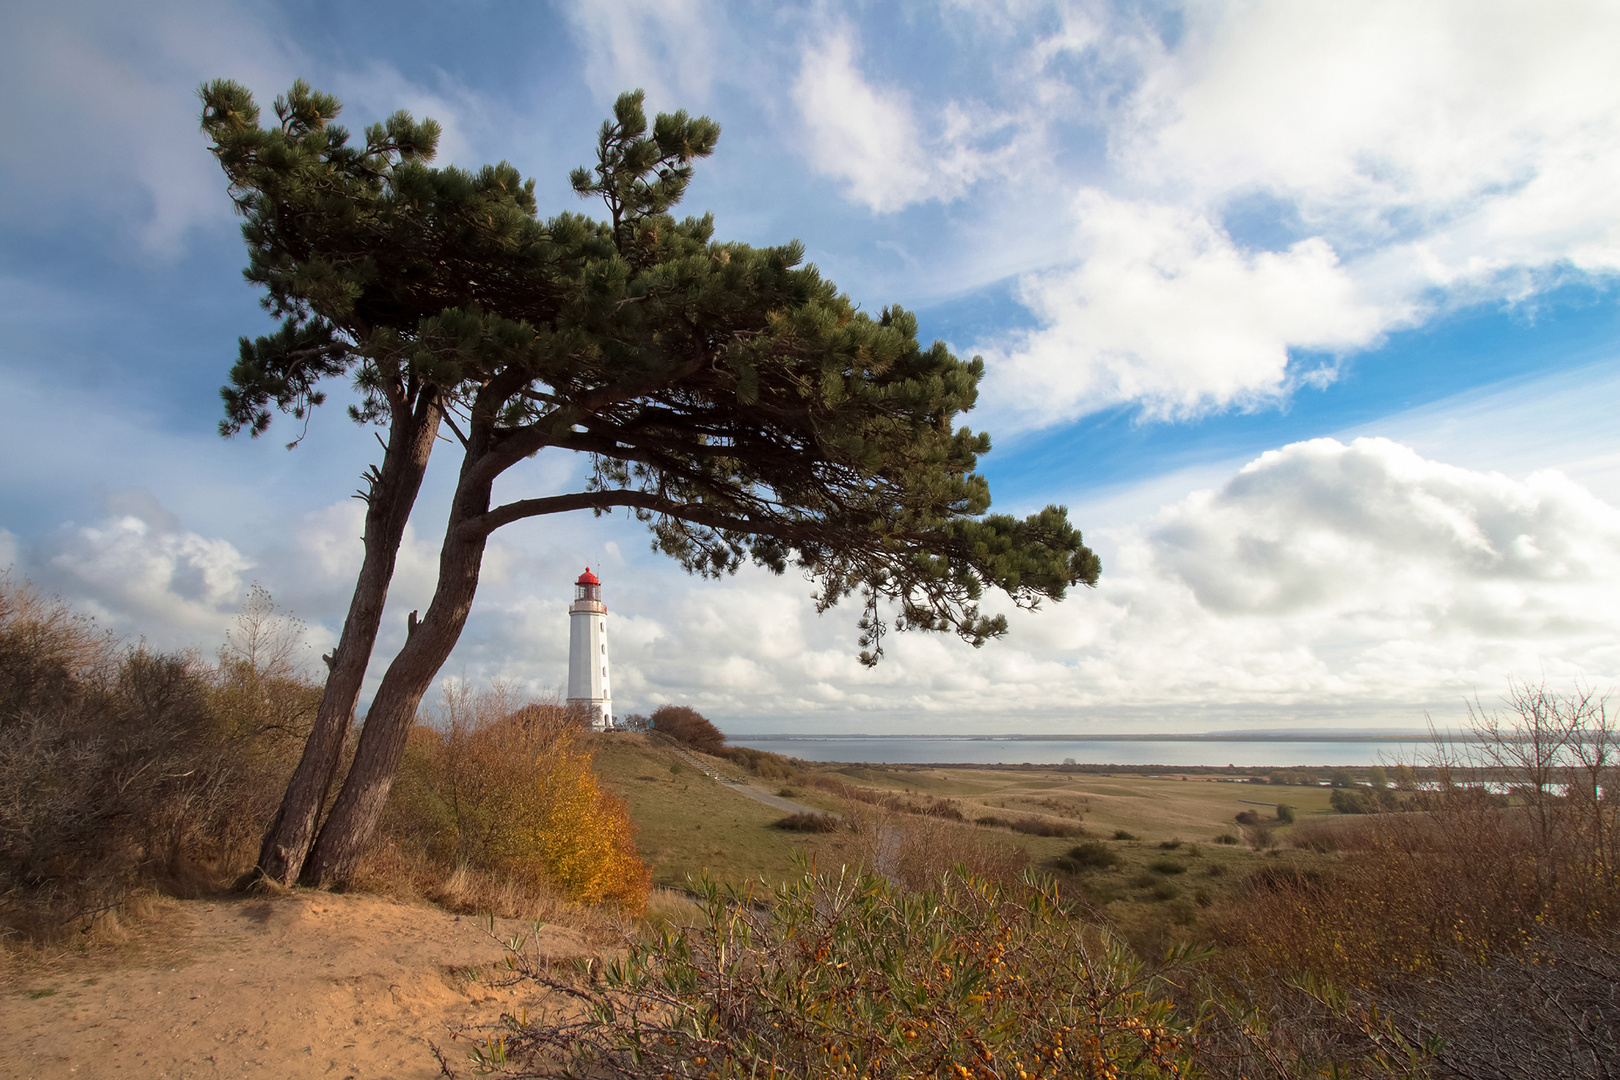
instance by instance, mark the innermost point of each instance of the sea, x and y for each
(1168, 750)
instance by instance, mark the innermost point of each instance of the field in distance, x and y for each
(1150, 852)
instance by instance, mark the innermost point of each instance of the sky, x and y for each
(1306, 311)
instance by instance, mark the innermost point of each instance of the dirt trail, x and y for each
(741, 787)
(301, 985)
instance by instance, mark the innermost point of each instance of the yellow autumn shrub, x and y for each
(508, 786)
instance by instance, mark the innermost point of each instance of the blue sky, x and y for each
(1307, 312)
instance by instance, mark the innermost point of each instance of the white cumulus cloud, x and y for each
(1286, 179)
(141, 571)
(1167, 311)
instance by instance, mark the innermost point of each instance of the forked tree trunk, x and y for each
(344, 837)
(392, 494)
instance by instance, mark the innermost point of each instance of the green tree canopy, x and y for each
(728, 396)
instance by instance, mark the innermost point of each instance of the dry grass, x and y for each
(413, 877)
(916, 852)
(1468, 873)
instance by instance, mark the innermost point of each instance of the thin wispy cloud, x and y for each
(666, 47)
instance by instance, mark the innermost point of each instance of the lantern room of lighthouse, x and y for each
(588, 687)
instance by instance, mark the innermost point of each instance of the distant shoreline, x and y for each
(1207, 736)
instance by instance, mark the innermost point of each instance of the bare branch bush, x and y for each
(1551, 1008)
(1492, 887)
(123, 769)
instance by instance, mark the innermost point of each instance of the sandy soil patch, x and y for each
(299, 985)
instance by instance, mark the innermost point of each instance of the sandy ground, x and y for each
(300, 985)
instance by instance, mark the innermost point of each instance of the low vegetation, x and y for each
(1446, 918)
(847, 974)
(124, 770)
(127, 773)
(506, 786)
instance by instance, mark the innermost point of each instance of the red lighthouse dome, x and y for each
(587, 578)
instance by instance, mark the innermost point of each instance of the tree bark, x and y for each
(391, 496)
(348, 828)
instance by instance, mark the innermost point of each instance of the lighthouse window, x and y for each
(604, 648)
(604, 672)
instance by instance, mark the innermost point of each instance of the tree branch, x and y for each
(697, 514)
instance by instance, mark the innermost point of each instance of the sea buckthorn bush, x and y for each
(848, 975)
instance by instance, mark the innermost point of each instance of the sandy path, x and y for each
(742, 787)
(302, 985)
(776, 801)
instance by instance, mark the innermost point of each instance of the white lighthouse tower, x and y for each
(587, 652)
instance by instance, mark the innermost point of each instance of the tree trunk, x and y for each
(392, 495)
(359, 805)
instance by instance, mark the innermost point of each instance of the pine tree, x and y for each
(728, 397)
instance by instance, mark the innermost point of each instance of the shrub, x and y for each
(1164, 890)
(811, 823)
(687, 725)
(762, 763)
(1464, 876)
(1121, 834)
(1258, 835)
(1167, 866)
(126, 769)
(1285, 813)
(1037, 826)
(1169, 845)
(846, 975)
(1362, 800)
(1317, 837)
(507, 786)
(915, 851)
(1226, 838)
(1092, 855)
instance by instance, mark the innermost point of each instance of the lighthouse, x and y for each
(588, 687)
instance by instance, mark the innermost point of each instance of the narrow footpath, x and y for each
(741, 787)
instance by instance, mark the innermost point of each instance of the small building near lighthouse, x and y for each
(588, 686)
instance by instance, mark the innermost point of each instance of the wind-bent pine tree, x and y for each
(371, 259)
(727, 396)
